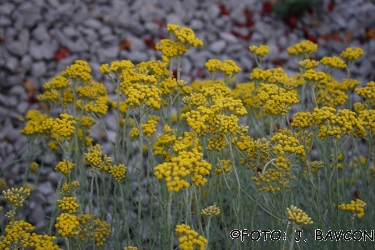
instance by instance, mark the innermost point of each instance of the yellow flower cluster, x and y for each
(170, 48)
(149, 128)
(16, 196)
(80, 69)
(349, 84)
(17, 235)
(224, 166)
(68, 189)
(333, 62)
(94, 158)
(304, 49)
(115, 67)
(98, 106)
(368, 93)
(34, 167)
(260, 74)
(313, 77)
(65, 167)
(260, 51)
(189, 239)
(272, 179)
(302, 120)
(367, 119)
(197, 121)
(352, 54)
(284, 142)
(64, 126)
(316, 165)
(275, 100)
(67, 225)
(93, 228)
(336, 125)
(308, 64)
(134, 133)
(228, 67)
(168, 86)
(158, 69)
(57, 82)
(140, 95)
(92, 91)
(3, 184)
(217, 142)
(130, 248)
(118, 172)
(42, 242)
(298, 216)
(184, 35)
(34, 124)
(68, 204)
(211, 211)
(354, 207)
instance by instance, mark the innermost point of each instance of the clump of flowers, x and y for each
(298, 216)
(94, 158)
(303, 49)
(80, 70)
(223, 167)
(259, 51)
(34, 167)
(65, 167)
(17, 235)
(356, 206)
(368, 94)
(189, 239)
(308, 64)
(118, 172)
(16, 196)
(67, 225)
(211, 211)
(68, 204)
(352, 54)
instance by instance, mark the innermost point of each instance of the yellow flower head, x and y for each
(16, 196)
(67, 225)
(68, 204)
(211, 211)
(189, 239)
(260, 51)
(298, 216)
(118, 172)
(356, 206)
(352, 54)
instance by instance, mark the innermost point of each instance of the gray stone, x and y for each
(48, 49)
(256, 38)
(218, 46)
(174, 19)
(40, 33)
(38, 68)
(45, 188)
(67, 8)
(80, 15)
(22, 107)
(196, 24)
(136, 28)
(273, 50)
(5, 148)
(137, 56)
(136, 43)
(90, 34)
(53, 177)
(6, 8)
(17, 90)
(36, 52)
(110, 39)
(263, 28)
(11, 63)
(283, 42)
(14, 79)
(107, 54)
(53, 3)
(70, 31)
(237, 15)
(213, 11)
(17, 48)
(24, 36)
(78, 46)
(228, 37)
(4, 21)
(60, 37)
(92, 23)
(105, 30)
(26, 62)
(246, 63)
(186, 65)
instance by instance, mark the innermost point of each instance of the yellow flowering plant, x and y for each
(278, 152)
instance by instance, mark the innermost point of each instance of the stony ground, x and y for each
(39, 38)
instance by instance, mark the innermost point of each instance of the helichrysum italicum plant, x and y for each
(211, 211)
(298, 216)
(68, 204)
(16, 196)
(189, 239)
(356, 206)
